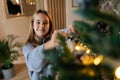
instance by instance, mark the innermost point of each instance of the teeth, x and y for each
(41, 30)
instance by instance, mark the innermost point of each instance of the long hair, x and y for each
(31, 34)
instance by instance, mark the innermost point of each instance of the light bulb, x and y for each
(87, 51)
(98, 60)
(117, 72)
(77, 47)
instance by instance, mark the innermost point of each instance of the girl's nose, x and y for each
(42, 25)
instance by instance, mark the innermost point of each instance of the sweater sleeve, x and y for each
(34, 57)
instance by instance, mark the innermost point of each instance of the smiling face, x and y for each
(41, 25)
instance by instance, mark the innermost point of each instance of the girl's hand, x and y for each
(54, 42)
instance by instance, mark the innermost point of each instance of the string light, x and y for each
(117, 72)
(77, 47)
(88, 51)
(98, 60)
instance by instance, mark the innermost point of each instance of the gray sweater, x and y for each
(36, 62)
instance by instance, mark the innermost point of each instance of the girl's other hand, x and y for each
(71, 29)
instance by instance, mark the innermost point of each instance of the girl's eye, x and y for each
(45, 22)
(38, 22)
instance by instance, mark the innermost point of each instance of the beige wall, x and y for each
(1, 17)
(70, 15)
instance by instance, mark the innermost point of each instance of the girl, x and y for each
(41, 37)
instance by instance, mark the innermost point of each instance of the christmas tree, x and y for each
(93, 53)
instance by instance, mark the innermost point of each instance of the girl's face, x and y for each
(41, 25)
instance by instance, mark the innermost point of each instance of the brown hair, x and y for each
(31, 34)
